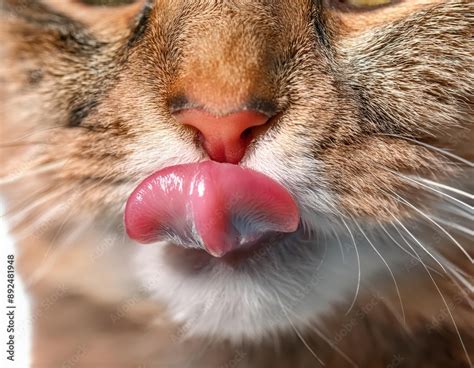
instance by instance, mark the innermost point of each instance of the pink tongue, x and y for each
(218, 206)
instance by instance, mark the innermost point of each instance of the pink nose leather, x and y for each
(225, 138)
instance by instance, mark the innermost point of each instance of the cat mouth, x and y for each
(224, 209)
(186, 258)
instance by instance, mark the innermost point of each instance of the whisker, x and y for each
(16, 216)
(38, 224)
(455, 226)
(400, 246)
(76, 193)
(328, 341)
(419, 243)
(460, 276)
(452, 270)
(31, 133)
(394, 240)
(447, 187)
(429, 146)
(41, 170)
(66, 217)
(446, 305)
(388, 267)
(20, 144)
(417, 256)
(17, 206)
(340, 245)
(438, 192)
(50, 212)
(358, 265)
(437, 225)
(297, 332)
(421, 184)
(50, 258)
(38, 274)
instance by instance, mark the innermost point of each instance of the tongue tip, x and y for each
(293, 222)
(136, 229)
(218, 251)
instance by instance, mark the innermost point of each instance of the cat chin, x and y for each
(281, 287)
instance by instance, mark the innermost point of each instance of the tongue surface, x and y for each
(218, 206)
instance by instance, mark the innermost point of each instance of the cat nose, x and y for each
(224, 137)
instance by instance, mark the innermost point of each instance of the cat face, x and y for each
(358, 100)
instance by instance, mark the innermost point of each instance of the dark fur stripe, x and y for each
(321, 25)
(80, 112)
(142, 24)
(71, 32)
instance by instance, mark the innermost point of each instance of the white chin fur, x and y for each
(284, 282)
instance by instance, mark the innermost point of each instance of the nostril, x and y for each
(199, 136)
(246, 134)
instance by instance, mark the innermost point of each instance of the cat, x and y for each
(327, 149)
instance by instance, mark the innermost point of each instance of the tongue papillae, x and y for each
(218, 206)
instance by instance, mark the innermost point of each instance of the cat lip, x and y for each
(189, 258)
(214, 206)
